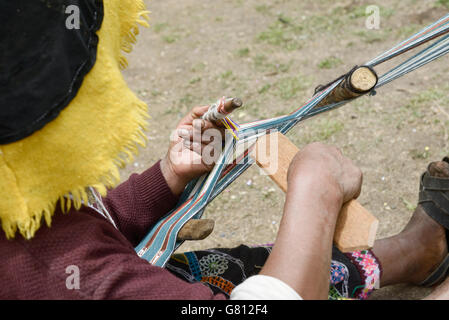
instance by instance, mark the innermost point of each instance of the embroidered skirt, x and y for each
(352, 276)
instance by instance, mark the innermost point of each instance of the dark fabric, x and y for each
(222, 269)
(108, 265)
(355, 279)
(42, 62)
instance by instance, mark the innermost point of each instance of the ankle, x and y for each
(396, 261)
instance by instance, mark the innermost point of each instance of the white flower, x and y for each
(213, 265)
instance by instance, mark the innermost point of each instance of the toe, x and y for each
(439, 169)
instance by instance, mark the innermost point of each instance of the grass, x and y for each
(199, 67)
(226, 75)
(373, 36)
(283, 33)
(323, 129)
(330, 63)
(262, 64)
(264, 89)
(416, 154)
(159, 27)
(290, 32)
(361, 12)
(195, 80)
(263, 8)
(410, 206)
(169, 35)
(171, 38)
(444, 3)
(425, 99)
(244, 52)
(289, 87)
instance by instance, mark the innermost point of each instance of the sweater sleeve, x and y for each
(138, 203)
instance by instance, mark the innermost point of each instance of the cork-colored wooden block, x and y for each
(356, 227)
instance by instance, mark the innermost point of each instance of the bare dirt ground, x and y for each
(272, 54)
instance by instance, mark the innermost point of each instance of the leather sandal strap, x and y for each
(434, 198)
(434, 183)
(437, 275)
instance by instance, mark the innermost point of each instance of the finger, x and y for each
(194, 146)
(209, 132)
(198, 125)
(209, 154)
(196, 113)
(185, 132)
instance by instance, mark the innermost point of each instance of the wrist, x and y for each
(176, 183)
(318, 188)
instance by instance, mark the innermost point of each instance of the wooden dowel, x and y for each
(232, 104)
(358, 82)
(356, 228)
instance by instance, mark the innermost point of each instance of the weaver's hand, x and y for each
(326, 166)
(194, 147)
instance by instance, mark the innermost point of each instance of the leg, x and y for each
(412, 255)
(416, 252)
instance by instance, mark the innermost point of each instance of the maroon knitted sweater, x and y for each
(105, 258)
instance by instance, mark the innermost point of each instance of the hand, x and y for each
(194, 147)
(331, 171)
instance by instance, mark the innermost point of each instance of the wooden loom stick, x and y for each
(232, 103)
(356, 228)
(356, 83)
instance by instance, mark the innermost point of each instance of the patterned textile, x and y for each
(369, 269)
(352, 276)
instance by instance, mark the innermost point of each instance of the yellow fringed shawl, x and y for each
(97, 133)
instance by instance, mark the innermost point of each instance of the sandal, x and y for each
(434, 199)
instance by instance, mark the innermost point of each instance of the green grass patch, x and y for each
(426, 98)
(159, 27)
(373, 36)
(226, 75)
(170, 38)
(195, 80)
(262, 64)
(288, 88)
(198, 67)
(444, 3)
(263, 9)
(323, 129)
(419, 154)
(243, 52)
(283, 33)
(330, 63)
(264, 89)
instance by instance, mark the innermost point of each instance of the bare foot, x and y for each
(412, 255)
(440, 293)
(425, 241)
